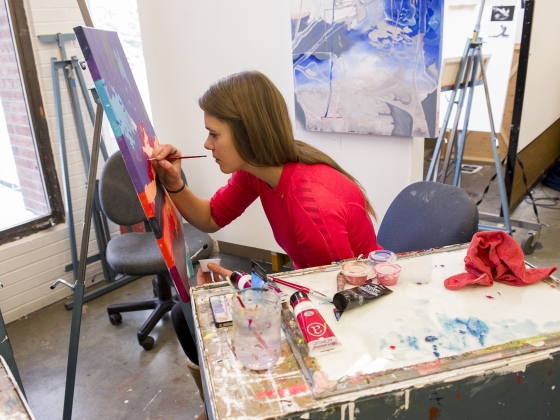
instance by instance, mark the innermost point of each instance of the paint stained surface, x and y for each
(367, 66)
(136, 139)
(401, 357)
(425, 329)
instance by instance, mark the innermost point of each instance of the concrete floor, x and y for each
(117, 379)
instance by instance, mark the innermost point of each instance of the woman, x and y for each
(318, 212)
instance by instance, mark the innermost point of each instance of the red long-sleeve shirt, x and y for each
(317, 215)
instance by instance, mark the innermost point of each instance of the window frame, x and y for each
(32, 92)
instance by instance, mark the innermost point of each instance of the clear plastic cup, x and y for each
(256, 327)
(419, 272)
(204, 263)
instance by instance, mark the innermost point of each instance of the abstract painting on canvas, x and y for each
(367, 66)
(136, 138)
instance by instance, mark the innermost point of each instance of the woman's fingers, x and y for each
(168, 172)
(202, 277)
(215, 268)
(161, 151)
(206, 277)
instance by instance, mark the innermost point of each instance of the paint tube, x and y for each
(240, 279)
(359, 296)
(317, 333)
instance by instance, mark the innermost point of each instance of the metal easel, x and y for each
(79, 286)
(472, 62)
(72, 72)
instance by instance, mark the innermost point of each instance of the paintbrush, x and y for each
(301, 288)
(179, 157)
(554, 279)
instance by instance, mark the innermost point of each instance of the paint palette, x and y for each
(221, 309)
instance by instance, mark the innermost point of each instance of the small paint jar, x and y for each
(387, 273)
(381, 256)
(356, 272)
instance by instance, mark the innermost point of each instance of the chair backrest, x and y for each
(428, 215)
(117, 195)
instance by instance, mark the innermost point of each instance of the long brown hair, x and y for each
(257, 115)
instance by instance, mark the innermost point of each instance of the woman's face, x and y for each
(220, 143)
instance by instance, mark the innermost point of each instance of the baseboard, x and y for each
(245, 251)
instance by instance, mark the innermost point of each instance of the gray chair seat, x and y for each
(123, 251)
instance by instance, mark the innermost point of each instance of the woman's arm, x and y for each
(194, 209)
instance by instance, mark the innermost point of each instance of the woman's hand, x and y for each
(203, 278)
(169, 173)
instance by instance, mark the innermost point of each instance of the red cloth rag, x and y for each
(494, 255)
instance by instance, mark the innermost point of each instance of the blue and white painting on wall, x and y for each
(369, 66)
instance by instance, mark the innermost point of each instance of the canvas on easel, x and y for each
(136, 139)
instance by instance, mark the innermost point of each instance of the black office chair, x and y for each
(428, 215)
(137, 253)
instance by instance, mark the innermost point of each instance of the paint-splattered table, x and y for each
(487, 352)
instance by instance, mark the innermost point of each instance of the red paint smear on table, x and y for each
(458, 396)
(550, 372)
(434, 413)
(519, 379)
(284, 392)
(392, 347)
(431, 367)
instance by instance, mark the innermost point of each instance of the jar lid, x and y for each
(355, 268)
(382, 255)
(387, 268)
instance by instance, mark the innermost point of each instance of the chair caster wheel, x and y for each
(147, 343)
(115, 319)
(529, 243)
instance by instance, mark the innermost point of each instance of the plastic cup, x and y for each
(256, 327)
(356, 272)
(419, 272)
(204, 263)
(387, 273)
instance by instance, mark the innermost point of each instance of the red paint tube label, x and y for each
(241, 280)
(317, 333)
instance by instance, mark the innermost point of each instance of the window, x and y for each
(30, 198)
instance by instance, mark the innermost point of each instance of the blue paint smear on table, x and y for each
(474, 326)
(382, 343)
(412, 342)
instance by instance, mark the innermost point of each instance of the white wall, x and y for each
(30, 265)
(541, 102)
(190, 44)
